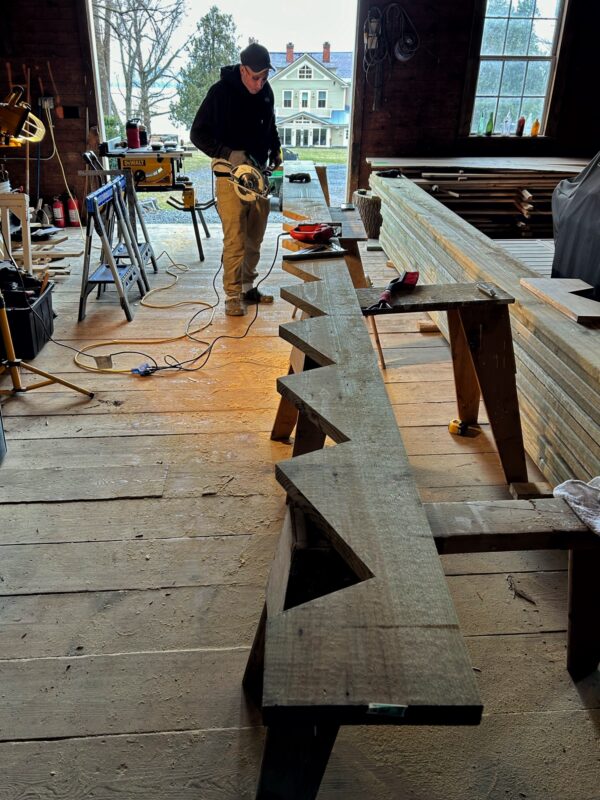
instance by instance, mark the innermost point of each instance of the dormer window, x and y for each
(305, 73)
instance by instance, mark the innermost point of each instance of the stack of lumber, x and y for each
(558, 360)
(500, 203)
(501, 197)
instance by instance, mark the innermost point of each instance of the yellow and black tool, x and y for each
(460, 428)
(149, 171)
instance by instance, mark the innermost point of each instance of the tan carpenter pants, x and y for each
(244, 227)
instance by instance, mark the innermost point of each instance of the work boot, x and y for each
(253, 296)
(234, 307)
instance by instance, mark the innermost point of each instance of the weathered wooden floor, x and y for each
(136, 534)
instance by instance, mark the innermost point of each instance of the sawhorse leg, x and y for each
(583, 634)
(197, 233)
(465, 377)
(294, 760)
(287, 413)
(483, 337)
(203, 222)
(295, 754)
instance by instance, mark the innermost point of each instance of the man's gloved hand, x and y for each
(237, 157)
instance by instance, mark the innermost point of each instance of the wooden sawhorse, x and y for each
(482, 359)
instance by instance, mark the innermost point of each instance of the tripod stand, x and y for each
(11, 364)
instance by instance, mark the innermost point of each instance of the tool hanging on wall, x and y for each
(17, 123)
(388, 34)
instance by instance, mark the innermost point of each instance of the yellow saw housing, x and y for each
(150, 171)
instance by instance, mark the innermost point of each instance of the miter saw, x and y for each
(249, 181)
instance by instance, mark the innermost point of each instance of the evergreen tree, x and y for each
(213, 46)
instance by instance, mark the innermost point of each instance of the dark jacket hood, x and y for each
(231, 74)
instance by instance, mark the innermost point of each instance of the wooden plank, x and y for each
(179, 449)
(60, 484)
(519, 520)
(559, 293)
(147, 518)
(572, 165)
(54, 698)
(129, 621)
(430, 298)
(150, 564)
(378, 763)
(96, 425)
(510, 603)
(362, 533)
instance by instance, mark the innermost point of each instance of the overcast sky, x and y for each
(306, 23)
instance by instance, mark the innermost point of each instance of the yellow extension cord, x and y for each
(181, 267)
(143, 301)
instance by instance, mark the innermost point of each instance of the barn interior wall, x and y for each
(44, 36)
(426, 102)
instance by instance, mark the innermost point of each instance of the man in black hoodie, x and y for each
(236, 123)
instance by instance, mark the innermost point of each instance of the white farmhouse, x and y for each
(312, 97)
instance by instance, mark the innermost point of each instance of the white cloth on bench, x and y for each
(584, 499)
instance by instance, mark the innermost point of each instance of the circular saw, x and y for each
(249, 182)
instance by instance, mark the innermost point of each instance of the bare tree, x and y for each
(143, 30)
(102, 26)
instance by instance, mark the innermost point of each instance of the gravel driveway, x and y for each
(336, 177)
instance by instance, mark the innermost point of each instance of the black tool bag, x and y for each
(575, 215)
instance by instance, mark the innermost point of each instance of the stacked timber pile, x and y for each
(558, 361)
(502, 203)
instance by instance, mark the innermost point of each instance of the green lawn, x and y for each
(320, 155)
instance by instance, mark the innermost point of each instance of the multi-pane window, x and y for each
(305, 72)
(322, 99)
(304, 99)
(285, 134)
(518, 57)
(287, 98)
(319, 137)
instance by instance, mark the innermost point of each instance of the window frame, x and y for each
(305, 72)
(321, 134)
(304, 93)
(470, 94)
(325, 99)
(284, 92)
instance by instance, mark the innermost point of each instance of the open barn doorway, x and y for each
(187, 43)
